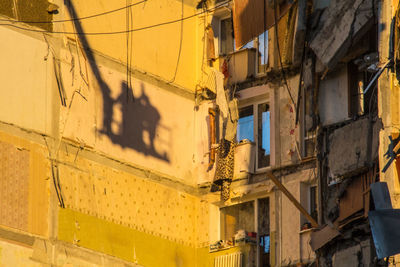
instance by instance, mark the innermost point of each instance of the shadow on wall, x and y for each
(139, 122)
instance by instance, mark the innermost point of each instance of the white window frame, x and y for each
(253, 97)
(255, 205)
(225, 13)
(220, 19)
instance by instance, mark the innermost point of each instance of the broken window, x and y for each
(263, 232)
(308, 199)
(235, 218)
(308, 133)
(256, 116)
(245, 128)
(239, 222)
(226, 41)
(359, 103)
(262, 52)
(361, 67)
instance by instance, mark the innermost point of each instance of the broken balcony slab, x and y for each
(341, 23)
(323, 236)
(348, 147)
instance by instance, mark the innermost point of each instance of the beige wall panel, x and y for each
(25, 95)
(154, 130)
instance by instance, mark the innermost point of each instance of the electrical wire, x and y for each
(279, 54)
(117, 32)
(75, 19)
(131, 53)
(127, 50)
(180, 48)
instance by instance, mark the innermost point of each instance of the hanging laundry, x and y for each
(225, 166)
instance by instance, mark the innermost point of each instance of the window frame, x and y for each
(253, 97)
(255, 200)
(306, 200)
(226, 13)
(304, 134)
(220, 19)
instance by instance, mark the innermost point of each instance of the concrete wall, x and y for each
(293, 246)
(333, 97)
(353, 146)
(287, 132)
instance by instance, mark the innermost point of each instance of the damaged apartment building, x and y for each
(198, 132)
(312, 83)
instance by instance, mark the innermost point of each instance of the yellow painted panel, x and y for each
(39, 193)
(394, 100)
(126, 243)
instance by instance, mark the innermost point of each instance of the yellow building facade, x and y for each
(104, 136)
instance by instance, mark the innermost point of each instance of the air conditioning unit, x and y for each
(245, 153)
(241, 65)
(229, 260)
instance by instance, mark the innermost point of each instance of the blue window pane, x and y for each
(249, 45)
(245, 128)
(263, 47)
(266, 244)
(264, 140)
(266, 132)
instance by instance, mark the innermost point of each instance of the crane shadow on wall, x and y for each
(127, 122)
(135, 123)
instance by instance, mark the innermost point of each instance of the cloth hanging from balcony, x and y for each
(253, 17)
(231, 122)
(210, 43)
(225, 165)
(228, 110)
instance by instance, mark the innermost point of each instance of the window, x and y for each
(239, 217)
(256, 116)
(246, 124)
(307, 124)
(226, 40)
(235, 218)
(263, 232)
(263, 144)
(308, 199)
(262, 52)
(359, 103)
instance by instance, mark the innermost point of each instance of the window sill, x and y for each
(239, 245)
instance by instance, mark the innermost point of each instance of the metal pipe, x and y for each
(211, 116)
(376, 77)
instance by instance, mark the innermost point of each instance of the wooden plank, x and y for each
(292, 199)
(322, 237)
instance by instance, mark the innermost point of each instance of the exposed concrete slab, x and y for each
(348, 149)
